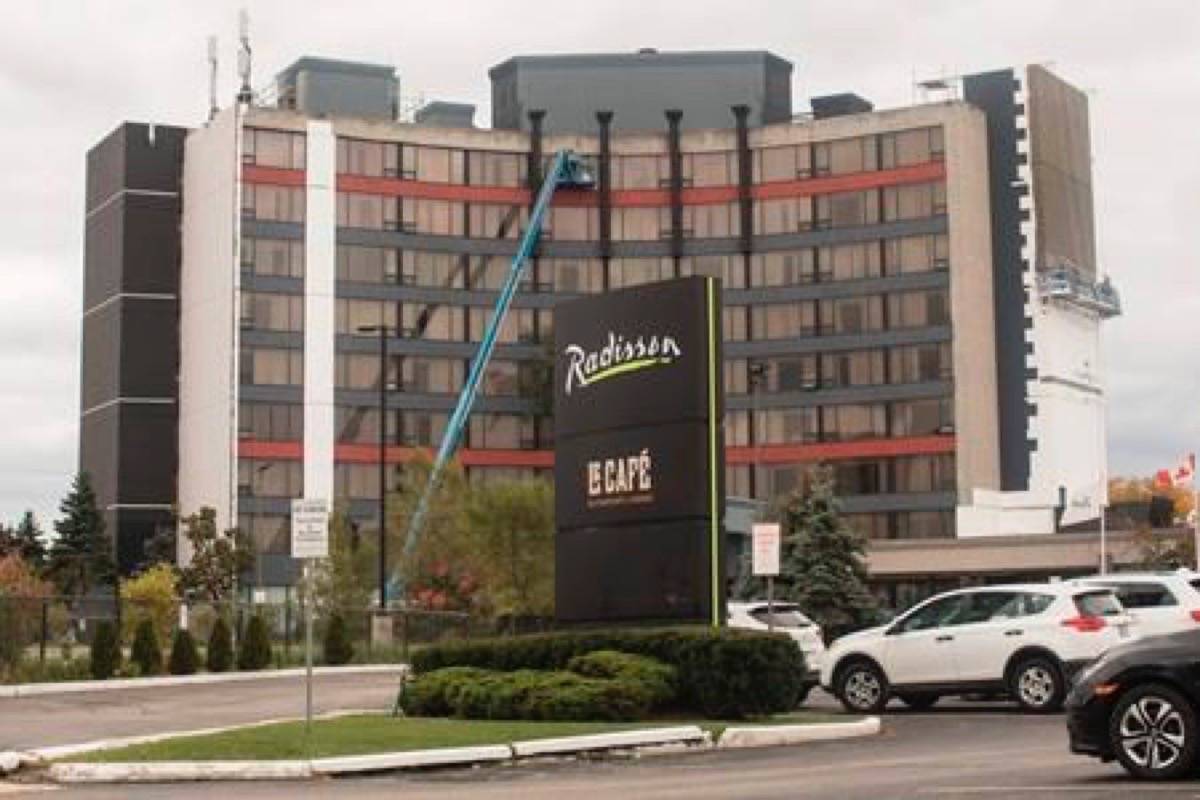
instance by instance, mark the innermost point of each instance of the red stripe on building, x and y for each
(854, 182)
(272, 175)
(840, 451)
(544, 459)
(633, 198)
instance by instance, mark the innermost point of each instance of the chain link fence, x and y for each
(49, 638)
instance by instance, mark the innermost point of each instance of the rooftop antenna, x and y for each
(212, 77)
(245, 94)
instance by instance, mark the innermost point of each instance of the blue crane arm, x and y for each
(567, 169)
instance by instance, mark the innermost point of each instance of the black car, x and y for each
(1140, 704)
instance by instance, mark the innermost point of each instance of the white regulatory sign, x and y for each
(310, 528)
(766, 548)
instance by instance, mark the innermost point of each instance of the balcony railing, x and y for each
(1068, 286)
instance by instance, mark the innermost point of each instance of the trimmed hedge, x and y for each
(106, 651)
(183, 659)
(723, 674)
(255, 650)
(220, 647)
(146, 652)
(525, 694)
(338, 647)
(657, 679)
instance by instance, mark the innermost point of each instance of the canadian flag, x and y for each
(1181, 476)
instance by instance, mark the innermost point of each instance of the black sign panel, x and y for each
(639, 456)
(632, 357)
(632, 475)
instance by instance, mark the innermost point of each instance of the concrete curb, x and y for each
(608, 741)
(649, 740)
(174, 771)
(377, 762)
(119, 684)
(778, 735)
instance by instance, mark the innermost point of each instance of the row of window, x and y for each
(383, 265)
(842, 316)
(582, 223)
(839, 423)
(488, 168)
(810, 372)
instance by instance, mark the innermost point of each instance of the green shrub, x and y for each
(146, 653)
(659, 680)
(724, 674)
(106, 651)
(220, 647)
(255, 652)
(183, 654)
(338, 647)
(524, 694)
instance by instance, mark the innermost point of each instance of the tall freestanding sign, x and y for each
(639, 454)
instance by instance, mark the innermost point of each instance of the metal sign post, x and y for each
(310, 540)
(766, 562)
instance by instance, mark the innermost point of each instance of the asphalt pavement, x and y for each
(42, 721)
(956, 750)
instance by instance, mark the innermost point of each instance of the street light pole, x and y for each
(383, 331)
(758, 373)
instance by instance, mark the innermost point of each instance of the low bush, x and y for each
(659, 680)
(183, 659)
(220, 647)
(723, 674)
(106, 651)
(524, 694)
(146, 653)
(338, 647)
(255, 652)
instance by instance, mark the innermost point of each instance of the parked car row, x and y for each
(1121, 651)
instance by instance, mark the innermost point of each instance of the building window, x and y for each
(640, 172)
(271, 422)
(784, 320)
(718, 220)
(356, 481)
(572, 224)
(372, 159)
(784, 268)
(923, 417)
(852, 261)
(786, 426)
(572, 275)
(847, 209)
(272, 312)
(734, 323)
(850, 422)
(272, 203)
(784, 215)
(625, 272)
(280, 149)
(432, 164)
(269, 533)
(851, 315)
(497, 169)
(924, 474)
(638, 224)
(276, 257)
(518, 325)
(925, 525)
(502, 432)
(710, 169)
(919, 309)
(787, 163)
(258, 478)
(904, 148)
(846, 156)
(917, 201)
(917, 254)
(264, 366)
(922, 363)
(737, 428)
(856, 368)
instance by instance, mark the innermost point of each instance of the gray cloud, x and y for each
(70, 71)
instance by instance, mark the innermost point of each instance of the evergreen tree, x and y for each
(106, 651)
(255, 652)
(220, 647)
(27, 537)
(183, 654)
(822, 563)
(81, 556)
(338, 647)
(8, 540)
(146, 652)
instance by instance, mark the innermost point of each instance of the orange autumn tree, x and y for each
(1135, 490)
(21, 595)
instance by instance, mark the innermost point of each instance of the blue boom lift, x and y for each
(567, 171)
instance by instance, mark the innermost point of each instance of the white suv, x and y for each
(1159, 602)
(1025, 640)
(787, 619)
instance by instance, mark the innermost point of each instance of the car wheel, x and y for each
(862, 688)
(1153, 733)
(919, 701)
(1038, 685)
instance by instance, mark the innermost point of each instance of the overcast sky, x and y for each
(71, 71)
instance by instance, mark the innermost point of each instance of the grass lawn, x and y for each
(360, 735)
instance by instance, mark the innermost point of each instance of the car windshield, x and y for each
(782, 618)
(1098, 604)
